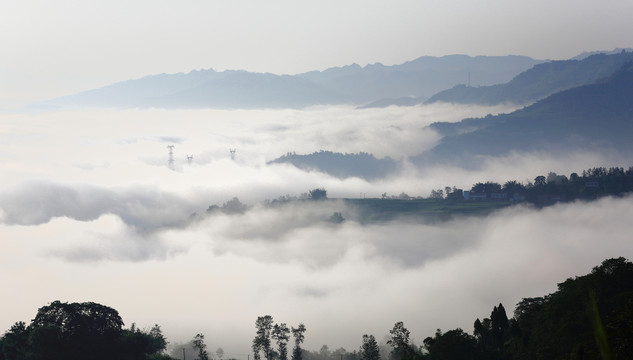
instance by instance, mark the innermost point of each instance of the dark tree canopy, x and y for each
(79, 331)
(74, 318)
(399, 340)
(318, 194)
(298, 334)
(369, 349)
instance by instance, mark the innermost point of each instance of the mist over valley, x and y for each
(91, 209)
(346, 199)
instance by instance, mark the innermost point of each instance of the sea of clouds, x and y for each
(90, 211)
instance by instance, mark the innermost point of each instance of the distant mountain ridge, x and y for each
(595, 117)
(350, 84)
(592, 117)
(538, 82)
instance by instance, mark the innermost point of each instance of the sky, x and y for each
(52, 49)
(89, 210)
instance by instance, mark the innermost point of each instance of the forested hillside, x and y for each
(595, 117)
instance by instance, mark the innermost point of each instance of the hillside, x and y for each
(538, 82)
(590, 117)
(361, 165)
(350, 84)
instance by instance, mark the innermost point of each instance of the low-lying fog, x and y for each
(90, 211)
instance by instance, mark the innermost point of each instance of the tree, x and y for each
(281, 335)
(62, 331)
(513, 187)
(454, 345)
(369, 349)
(76, 330)
(318, 194)
(488, 188)
(336, 218)
(14, 343)
(499, 326)
(325, 352)
(540, 181)
(198, 344)
(298, 336)
(264, 325)
(400, 342)
(437, 194)
(157, 343)
(234, 206)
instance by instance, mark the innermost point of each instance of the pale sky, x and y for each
(56, 48)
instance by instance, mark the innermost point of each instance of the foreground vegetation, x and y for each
(588, 317)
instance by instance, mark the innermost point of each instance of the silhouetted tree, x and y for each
(76, 330)
(298, 335)
(336, 218)
(513, 187)
(540, 181)
(369, 349)
(264, 325)
(14, 344)
(281, 335)
(318, 194)
(437, 194)
(454, 345)
(400, 342)
(198, 344)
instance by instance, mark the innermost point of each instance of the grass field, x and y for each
(431, 210)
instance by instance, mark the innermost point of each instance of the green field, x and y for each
(431, 210)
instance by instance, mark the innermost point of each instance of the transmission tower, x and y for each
(232, 154)
(170, 161)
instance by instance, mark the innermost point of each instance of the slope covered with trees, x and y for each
(596, 117)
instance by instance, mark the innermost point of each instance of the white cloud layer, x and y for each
(89, 211)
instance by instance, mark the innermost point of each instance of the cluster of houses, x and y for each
(516, 197)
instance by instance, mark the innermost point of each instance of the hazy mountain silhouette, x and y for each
(248, 90)
(362, 165)
(597, 117)
(586, 54)
(350, 84)
(538, 82)
(419, 78)
(136, 92)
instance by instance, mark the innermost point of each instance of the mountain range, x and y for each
(538, 82)
(352, 84)
(594, 117)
